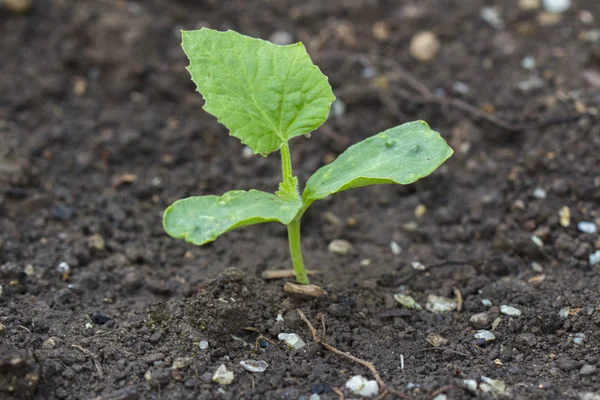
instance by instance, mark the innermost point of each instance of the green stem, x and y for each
(296, 251)
(294, 226)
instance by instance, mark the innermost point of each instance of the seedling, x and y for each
(266, 95)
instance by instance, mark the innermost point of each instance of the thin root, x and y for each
(385, 389)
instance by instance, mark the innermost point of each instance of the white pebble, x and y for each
(279, 318)
(485, 335)
(557, 6)
(587, 227)
(223, 376)
(460, 87)
(529, 64)
(314, 396)
(539, 193)
(292, 340)
(424, 46)
(537, 241)
(418, 266)
(564, 312)
(395, 247)
(441, 396)
(203, 345)
(486, 302)
(281, 38)
(362, 386)
(508, 310)
(439, 304)
(63, 268)
(537, 267)
(340, 246)
(338, 108)
(595, 258)
(492, 17)
(470, 384)
(579, 338)
(254, 366)
(247, 152)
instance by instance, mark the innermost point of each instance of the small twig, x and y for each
(282, 273)
(458, 298)
(370, 366)
(339, 393)
(440, 391)
(262, 337)
(25, 329)
(94, 359)
(323, 324)
(443, 349)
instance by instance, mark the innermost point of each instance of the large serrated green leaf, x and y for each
(263, 93)
(403, 155)
(202, 219)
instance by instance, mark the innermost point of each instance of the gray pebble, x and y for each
(587, 369)
(479, 320)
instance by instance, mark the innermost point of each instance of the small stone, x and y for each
(338, 108)
(565, 217)
(362, 387)
(63, 268)
(579, 338)
(381, 30)
(594, 258)
(29, 271)
(17, 6)
(537, 267)
(526, 340)
(479, 320)
(292, 340)
(587, 369)
(564, 312)
(441, 396)
(418, 266)
(486, 302)
(587, 227)
(314, 396)
(439, 304)
(537, 241)
(492, 385)
(320, 388)
(528, 63)
(340, 246)
(531, 84)
(557, 6)
(508, 310)
(365, 263)
(492, 17)
(281, 38)
(420, 211)
(181, 362)
(88, 325)
(279, 318)
(539, 193)
(2, 326)
(63, 212)
(471, 385)
(461, 88)
(99, 318)
(203, 345)
(424, 46)
(407, 302)
(529, 4)
(485, 335)
(96, 242)
(395, 247)
(436, 340)
(222, 376)
(254, 366)
(247, 152)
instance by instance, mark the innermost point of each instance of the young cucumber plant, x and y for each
(265, 95)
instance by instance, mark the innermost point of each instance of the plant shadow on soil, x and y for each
(100, 129)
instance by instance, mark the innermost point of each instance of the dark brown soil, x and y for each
(100, 129)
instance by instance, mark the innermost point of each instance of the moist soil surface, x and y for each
(101, 129)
